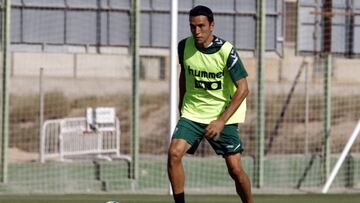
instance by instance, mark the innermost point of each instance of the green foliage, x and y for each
(56, 105)
(24, 116)
(342, 106)
(84, 102)
(24, 108)
(27, 108)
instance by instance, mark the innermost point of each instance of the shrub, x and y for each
(56, 105)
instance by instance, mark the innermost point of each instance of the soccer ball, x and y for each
(111, 201)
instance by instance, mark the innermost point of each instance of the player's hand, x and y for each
(213, 130)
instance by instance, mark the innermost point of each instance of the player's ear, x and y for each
(212, 24)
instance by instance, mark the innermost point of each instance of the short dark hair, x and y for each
(201, 10)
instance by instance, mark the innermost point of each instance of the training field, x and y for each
(89, 86)
(303, 198)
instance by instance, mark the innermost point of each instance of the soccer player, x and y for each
(212, 90)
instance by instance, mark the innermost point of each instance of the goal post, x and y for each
(341, 158)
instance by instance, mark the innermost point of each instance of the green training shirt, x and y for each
(210, 76)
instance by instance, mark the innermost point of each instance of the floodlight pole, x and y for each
(260, 50)
(327, 29)
(5, 48)
(135, 34)
(327, 113)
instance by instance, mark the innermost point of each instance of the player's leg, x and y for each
(186, 139)
(242, 182)
(177, 149)
(229, 145)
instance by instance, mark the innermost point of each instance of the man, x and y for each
(213, 88)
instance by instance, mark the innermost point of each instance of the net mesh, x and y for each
(83, 48)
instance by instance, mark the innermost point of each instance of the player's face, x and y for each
(201, 30)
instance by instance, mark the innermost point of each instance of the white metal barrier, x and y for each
(69, 137)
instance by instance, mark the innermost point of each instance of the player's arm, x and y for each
(181, 48)
(216, 126)
(181, 88)
(241, 92)
(238, 75)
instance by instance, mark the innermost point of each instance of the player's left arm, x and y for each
(215, 127)
(238, 74)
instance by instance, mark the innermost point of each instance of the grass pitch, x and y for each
(303, 198)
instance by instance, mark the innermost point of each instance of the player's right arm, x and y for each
(181, 88)
(181, 47)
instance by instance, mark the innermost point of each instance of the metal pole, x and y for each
(259, 161)
(135, 33)
(5, 43)
(306, 149)
(342, 158)
(327, 32)
(327, 113)
(173, 71)
(41, 113)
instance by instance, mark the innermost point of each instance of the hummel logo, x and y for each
(219, 41)
(234, 57)
(233, 54)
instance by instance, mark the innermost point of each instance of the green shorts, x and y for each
(193, 132)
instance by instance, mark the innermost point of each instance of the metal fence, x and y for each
(301, 109)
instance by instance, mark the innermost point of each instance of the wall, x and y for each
(155, 65)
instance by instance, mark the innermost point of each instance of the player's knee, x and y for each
(236, 173)
(175, 154)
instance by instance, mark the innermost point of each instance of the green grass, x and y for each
(306, 198)
(112, 177)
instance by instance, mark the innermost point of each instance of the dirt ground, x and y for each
(75, 87)
(154, 132)
(17, 155)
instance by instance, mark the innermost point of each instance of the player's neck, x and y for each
(207, 43)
